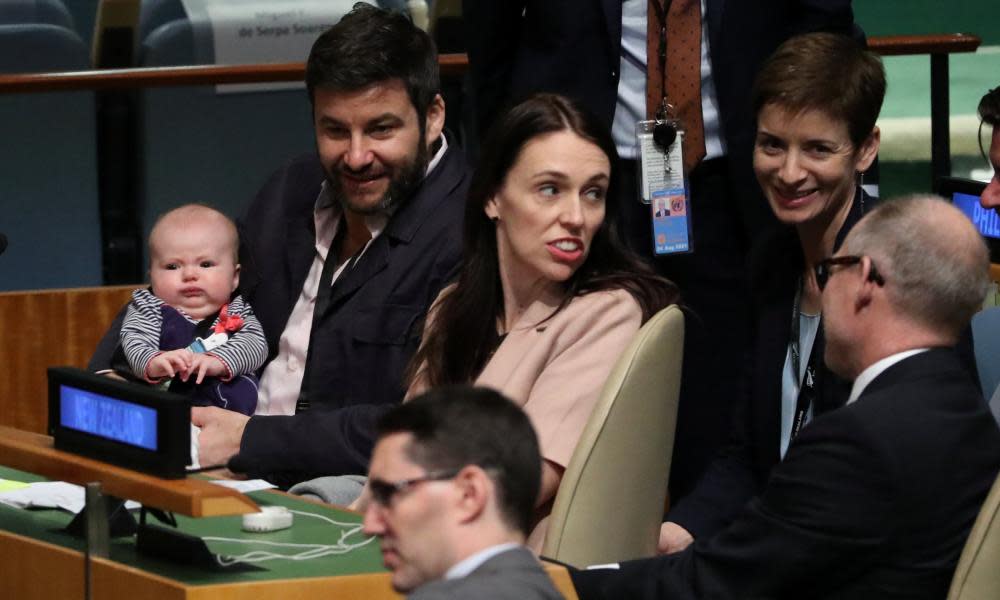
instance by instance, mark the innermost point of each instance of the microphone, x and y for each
(3, 243)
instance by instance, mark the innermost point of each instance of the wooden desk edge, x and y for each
(34, 453)
(560, 577)
(111, 578)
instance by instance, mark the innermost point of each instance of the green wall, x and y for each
(898, 17)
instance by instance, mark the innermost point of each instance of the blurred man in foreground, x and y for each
(453, 482)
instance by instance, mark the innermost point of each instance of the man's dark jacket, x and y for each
(360, 346)
(873, 500)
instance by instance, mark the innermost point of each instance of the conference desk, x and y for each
(39, 561)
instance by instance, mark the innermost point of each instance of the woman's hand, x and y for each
(673, 538)
(361, 503)
(551, 477)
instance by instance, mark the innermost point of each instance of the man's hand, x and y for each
(221, 433)
(202, 365)
(673, 538)
(168, 364)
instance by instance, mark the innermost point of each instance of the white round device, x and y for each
(270, 518)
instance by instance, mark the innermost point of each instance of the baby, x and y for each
(189, 327)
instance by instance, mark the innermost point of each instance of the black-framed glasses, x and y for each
(384, 491)
(823, 269)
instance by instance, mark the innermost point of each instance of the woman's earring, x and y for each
(495, 219)
(861, 185)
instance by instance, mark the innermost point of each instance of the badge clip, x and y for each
(662, 184)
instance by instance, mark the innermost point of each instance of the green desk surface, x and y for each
(45, 525)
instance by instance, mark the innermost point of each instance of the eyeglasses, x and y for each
(384, 491)
(823, 269)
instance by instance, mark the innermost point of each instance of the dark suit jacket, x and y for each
(741, 469)
(873, 500)
(573, 47)
(512, 575)
(361, 344)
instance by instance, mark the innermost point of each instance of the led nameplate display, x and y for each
(125, 424)
(108, 418)
(986, 220)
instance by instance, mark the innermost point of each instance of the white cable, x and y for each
(309, 552)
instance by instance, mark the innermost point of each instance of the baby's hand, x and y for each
(168, 364)
(205, 364)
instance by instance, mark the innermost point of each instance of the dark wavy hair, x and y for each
(464, 332)
(371, 45)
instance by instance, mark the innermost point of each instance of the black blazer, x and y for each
(361, 345)
(873, 500)
(741, 469)
(573, 47)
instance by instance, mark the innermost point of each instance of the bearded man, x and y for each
(342, 253)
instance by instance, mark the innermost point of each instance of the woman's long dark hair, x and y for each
(464, 332)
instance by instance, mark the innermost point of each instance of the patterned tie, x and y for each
(673, 59)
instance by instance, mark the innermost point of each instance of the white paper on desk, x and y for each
(51, 494)
(245, 487)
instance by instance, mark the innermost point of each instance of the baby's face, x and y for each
(193, 269)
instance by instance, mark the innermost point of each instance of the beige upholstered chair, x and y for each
(977, 576)
(610, 503)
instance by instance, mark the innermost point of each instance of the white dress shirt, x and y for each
(868, 375)
(631, 107)
(463, 567)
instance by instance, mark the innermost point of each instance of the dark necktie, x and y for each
(324, 291)
(673, 66)
(323, 294)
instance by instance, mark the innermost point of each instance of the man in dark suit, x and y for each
(597, 51)
(343, 252)
(875, 499)
(385, 198)
(453, 482)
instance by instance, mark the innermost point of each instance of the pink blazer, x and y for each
(555, 369)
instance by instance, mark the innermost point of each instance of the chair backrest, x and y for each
(986, 341)
(977, 576)
(154, 13)
(50, 12)
(40, 47)
(244, 137)
(49, 207)
(611, 500)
